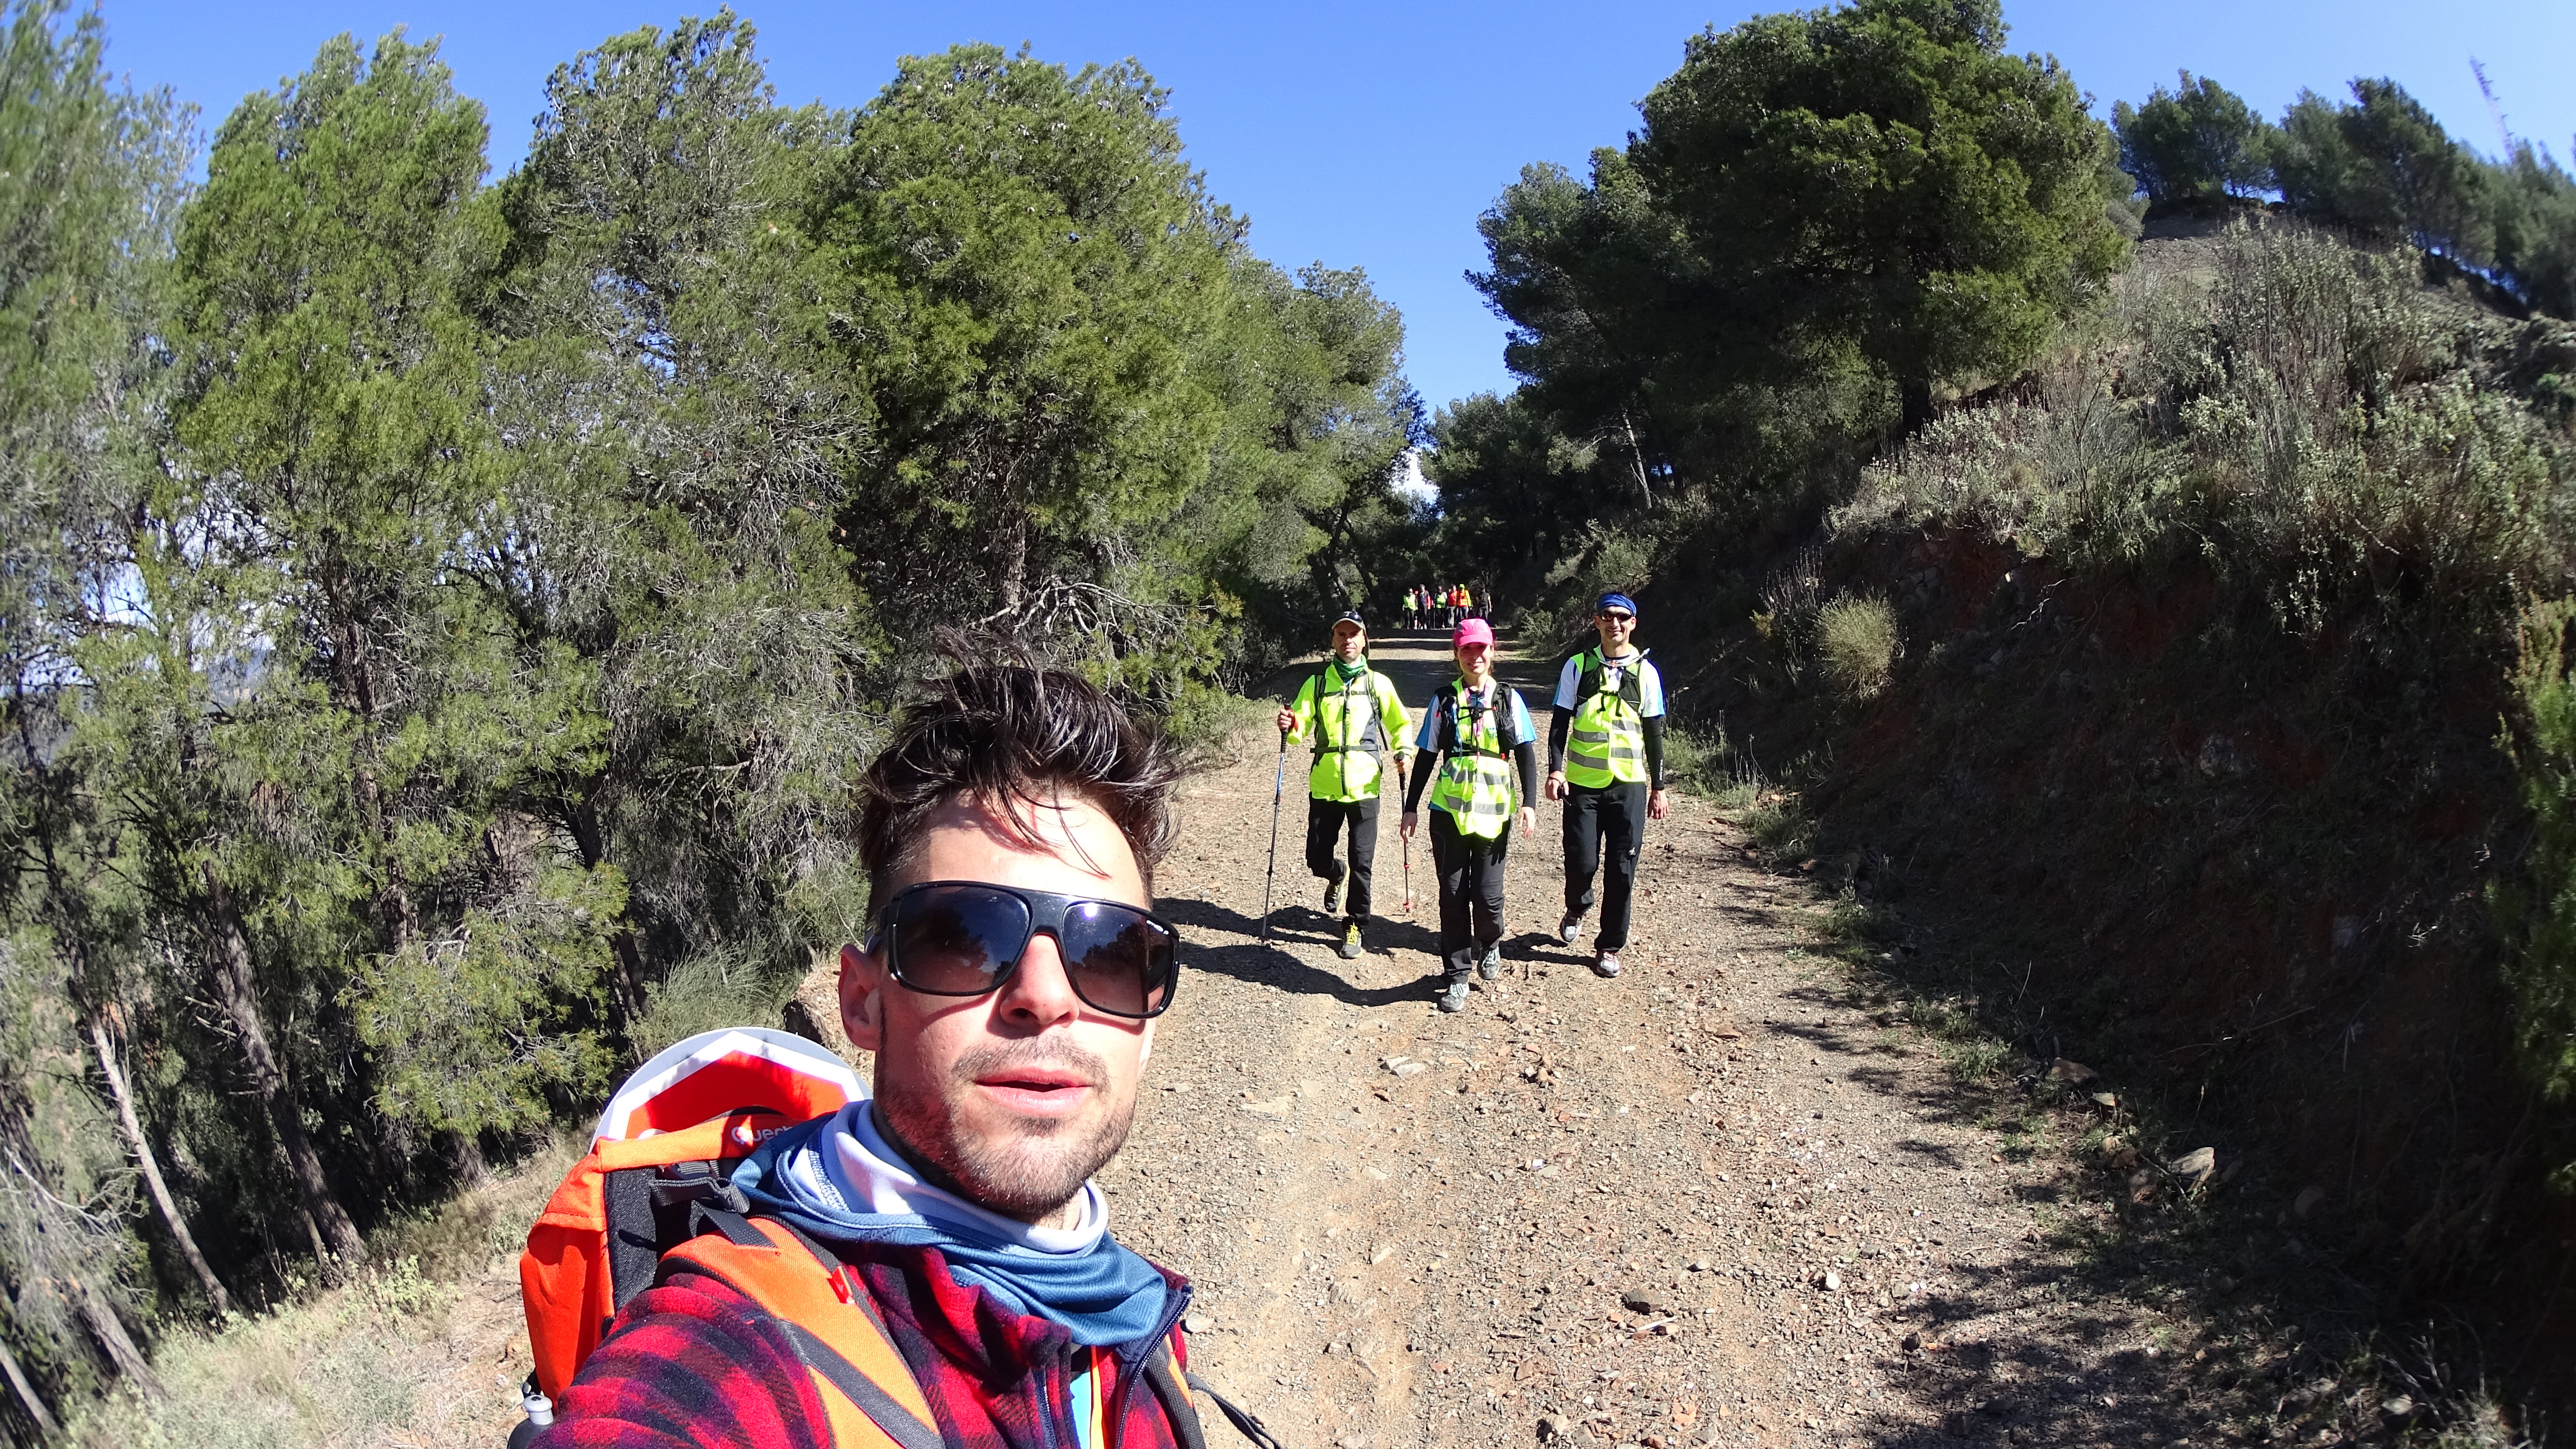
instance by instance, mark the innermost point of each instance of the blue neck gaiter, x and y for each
(834, 1177)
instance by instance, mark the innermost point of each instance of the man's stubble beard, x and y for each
(1030, 1171)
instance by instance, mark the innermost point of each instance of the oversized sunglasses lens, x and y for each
(962, 940)
(957, 940)
(1118, 958)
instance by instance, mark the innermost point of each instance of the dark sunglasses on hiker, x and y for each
(967, 938)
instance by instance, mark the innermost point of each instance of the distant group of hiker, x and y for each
(761, 1250)
(1605, 763)
(1426, 607)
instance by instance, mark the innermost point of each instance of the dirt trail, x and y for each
(1612, 1201)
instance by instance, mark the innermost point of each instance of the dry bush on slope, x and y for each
(2292, 406)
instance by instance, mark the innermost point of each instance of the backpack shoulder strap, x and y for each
(872, 1401)
(1504, 730)
(1245, 1422)
(1165, 1380)
(1632, 682)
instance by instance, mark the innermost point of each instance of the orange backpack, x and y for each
(656, 1184)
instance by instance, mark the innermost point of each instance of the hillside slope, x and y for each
(2164, 792)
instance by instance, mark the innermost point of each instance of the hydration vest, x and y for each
(1476, 785)
(1345, 750)
(1607, 743)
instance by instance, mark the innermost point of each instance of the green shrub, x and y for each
(714, 989)
(2539, 916)
(1706, 766)
(1778, 825)
(2299, 409)
(1207, 724)
(1856, 639)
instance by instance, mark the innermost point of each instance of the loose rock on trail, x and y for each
(1716, 1200)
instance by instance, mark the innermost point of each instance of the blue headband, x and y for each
(1615, 601)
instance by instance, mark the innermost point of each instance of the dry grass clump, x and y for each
(1857, 642)
(425, 1349)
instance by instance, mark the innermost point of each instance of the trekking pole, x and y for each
(1408, 875)
(1278, 788)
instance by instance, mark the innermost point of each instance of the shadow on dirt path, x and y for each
(1726, 1198)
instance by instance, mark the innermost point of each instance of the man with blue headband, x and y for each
(1605, 760)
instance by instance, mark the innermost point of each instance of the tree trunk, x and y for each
(1637, 460)
(1917, 394)
(357, 682)
(1015, 563)
(110, 1332)
(465, 1159)
(237, 992)
(626, 989)
(136, 1143)
(36, 1409)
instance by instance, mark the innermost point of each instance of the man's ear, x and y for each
(862, 998)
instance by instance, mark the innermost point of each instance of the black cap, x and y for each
(1351, 616)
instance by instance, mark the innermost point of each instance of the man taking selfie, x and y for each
(1008, 990)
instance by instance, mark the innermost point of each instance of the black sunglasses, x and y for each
(966, 938)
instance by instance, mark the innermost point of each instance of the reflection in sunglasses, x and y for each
(965, 940)
(939, 938)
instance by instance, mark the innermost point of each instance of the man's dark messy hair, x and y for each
(1022, 738)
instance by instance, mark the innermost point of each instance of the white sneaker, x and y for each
(1570, 929)
(1606, 965)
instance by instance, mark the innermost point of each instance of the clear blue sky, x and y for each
(1371, 135)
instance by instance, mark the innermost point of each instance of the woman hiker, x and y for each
(1481, 734)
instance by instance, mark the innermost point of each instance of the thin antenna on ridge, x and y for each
(2495, 107)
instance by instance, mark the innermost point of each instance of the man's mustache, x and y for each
(1023, 1055)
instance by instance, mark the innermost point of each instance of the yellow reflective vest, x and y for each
(1475, 785)
(1347, 726)
(1607, 740)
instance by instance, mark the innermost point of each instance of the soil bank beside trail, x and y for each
(1715, 1200)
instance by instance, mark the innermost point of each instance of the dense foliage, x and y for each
(2381, 167)
(2300, 411)
(443, 620)
(2193, 143)
(1828, 220)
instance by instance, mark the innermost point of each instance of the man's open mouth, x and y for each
(1038, 1091)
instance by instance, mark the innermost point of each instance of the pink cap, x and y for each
(1472, 631)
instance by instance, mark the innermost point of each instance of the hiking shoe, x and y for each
(1491, 968)
(1333, 892)
(1351, 942)
(1606, 965)
(1455, 997)
(1569, 929)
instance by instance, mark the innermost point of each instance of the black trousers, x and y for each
(1471, 892)
(1606, 826)
(1326, 820)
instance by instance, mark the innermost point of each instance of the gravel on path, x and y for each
(1717, 1200)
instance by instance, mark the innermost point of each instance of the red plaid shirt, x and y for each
(691, 1362)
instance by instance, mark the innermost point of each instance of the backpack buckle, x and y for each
(697, 1182)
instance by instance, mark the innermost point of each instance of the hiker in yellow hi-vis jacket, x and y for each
(1473, 735)
(1605, 760)
(1348, 713)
